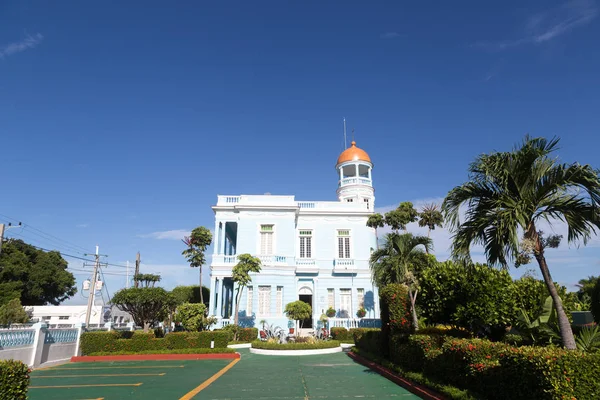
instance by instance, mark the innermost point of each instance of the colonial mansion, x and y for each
(314, 251)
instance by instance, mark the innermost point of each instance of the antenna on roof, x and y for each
(344, 133)
(353, 134)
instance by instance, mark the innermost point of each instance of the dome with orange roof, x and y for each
(353, 153)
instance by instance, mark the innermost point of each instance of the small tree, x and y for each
(298, 311)
(147, 306)
(376, 221)
(193, 317)
(189, 294)
(196, 244)
(146, 280)
(400, 217)
(241, 276)
(13, 313)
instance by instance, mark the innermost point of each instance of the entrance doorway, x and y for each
(307, 298)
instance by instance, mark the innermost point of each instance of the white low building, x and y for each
(55, 316)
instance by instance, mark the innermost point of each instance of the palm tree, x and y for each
(394, 261)
(376, 221)
(430, 216)
(508, 194)
(197, 243)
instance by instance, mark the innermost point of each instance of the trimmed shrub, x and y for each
(327, 344)
(547, 373)
(370, 341)
(341, 334)
(94, 342)
(239, 334)
(444, 330)
(171, 351)
(357, 333)
(414, 352)
(395, 299)
(14, 379)
(596, 302)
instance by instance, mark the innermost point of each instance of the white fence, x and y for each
(38, 344)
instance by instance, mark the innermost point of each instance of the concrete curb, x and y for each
(296, 352)
(156, 357)
(240, 346)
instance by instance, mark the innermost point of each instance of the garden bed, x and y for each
(179, 354)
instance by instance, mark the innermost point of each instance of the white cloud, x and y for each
(175, 234)
(28, 42)
(549, 24)
(82, 225)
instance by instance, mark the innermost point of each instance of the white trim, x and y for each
(296, 352)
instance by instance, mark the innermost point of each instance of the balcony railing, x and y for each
(355, 181)
(350, 323)
(305, 262)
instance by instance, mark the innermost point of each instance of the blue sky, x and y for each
(120, 122)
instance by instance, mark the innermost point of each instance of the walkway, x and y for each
(331, 376)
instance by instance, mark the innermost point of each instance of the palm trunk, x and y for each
(566, 333)
(237, 305)
(376, 239)
(413, 309)
(201, 296)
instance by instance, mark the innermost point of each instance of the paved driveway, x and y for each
(331, 376)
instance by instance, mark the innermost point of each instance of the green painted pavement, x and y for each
(179, 378)
(329, 376)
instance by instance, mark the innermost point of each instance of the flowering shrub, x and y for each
(395, 308)
(369, 341)
(415, 351)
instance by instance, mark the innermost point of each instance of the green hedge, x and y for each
(345, 335)
(327, 344)
(14, 379)
(111, 342)
(494, 370)
(172, 351)
(239, 334)
(370, 341)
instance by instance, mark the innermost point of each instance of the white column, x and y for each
(79, 327)
(220, 298)
(222, 241)
(371, 179)
(211, 301)
(38, 344)
(356, 168)
(216, 237)
(341, 174)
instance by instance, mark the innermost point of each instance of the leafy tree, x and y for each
(196, 244)
(193, 317)
(189, 294)
(298, 311)
(147, 306)
(376, 221)
(146, 280)
(584, 294)
(531, 294)
(431, 216)
(476, 297)
(511, 192)
(400, 217)
(395, 263)
(13, 313)
(35, 276)
(241, 275)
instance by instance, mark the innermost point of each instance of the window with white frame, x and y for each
(279, 300)
(343, 244)
(331, 298)
(366, 202)
(264, 301)
(305, 244)
(63, 317)
(266, 240)
(250, 300)
(360, 294)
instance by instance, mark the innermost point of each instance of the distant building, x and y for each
(314, 251)
(68, 315)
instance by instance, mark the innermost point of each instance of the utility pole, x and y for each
(137, 269)
(92, 289)
(2, 232)
(127, 279)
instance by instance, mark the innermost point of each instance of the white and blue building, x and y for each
(315, 251)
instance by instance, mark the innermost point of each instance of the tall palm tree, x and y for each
(393, 263)
(197, 243)
(508, 194)
(431, 216)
